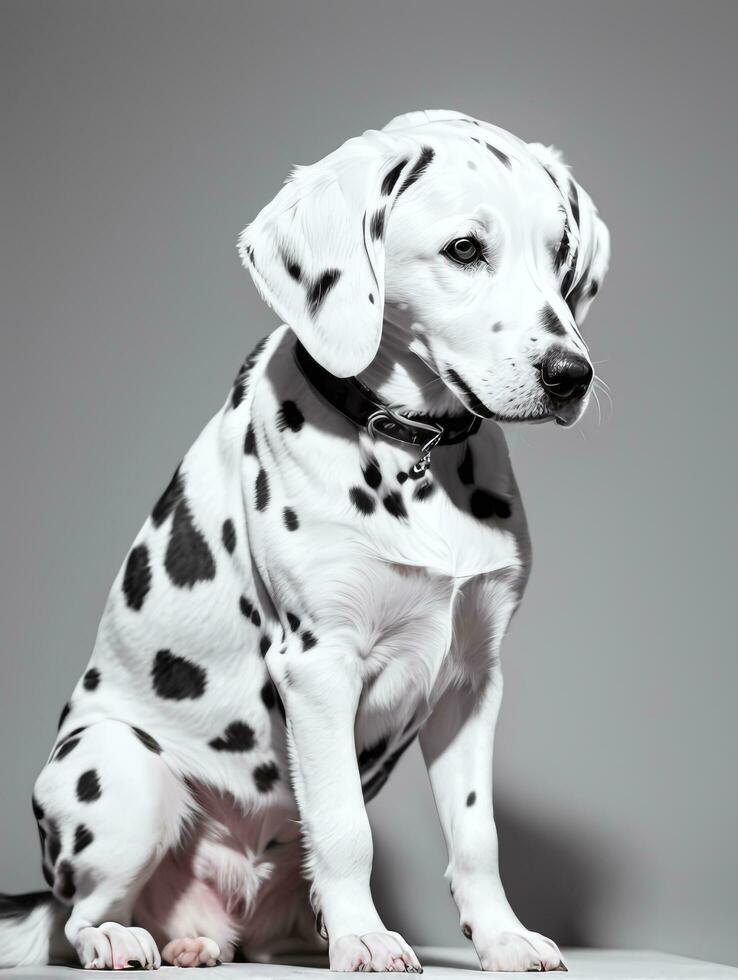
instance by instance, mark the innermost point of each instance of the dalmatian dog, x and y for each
(328, 575)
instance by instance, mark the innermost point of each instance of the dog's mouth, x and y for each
(466, 394)
(544, 411)
(473, 403)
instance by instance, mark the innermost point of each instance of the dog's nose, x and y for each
(564, 375)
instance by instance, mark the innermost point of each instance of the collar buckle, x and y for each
(388, 423)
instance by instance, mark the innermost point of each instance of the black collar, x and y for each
(358, 403)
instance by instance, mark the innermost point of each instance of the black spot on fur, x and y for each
(265, 776)
(168, 500)
(466, 929)
(250, 611)
(176, 678)
(91, 679)
(188, 558)
(376, 227)
(362, 501)
(372, 474)
(419, 168)
(372, 754)
(308, 640)
(393, 503)
(473, 401)
(88, 787)
(320, 289)
(484, 504)
(249, 441)
(377, 781)
(502, 157)
(228, 535)
(390, 179)
(466, 467)
(264, 644)
(38, 810)
(292, 267)
(373, 785)
(82, 838)
(147, 740)
(290, 519)
(20, 906)
(137, 577)
(63, 716)
(48, 878)
(471, 799)
(262, 490)
(65, 886)
(238, 737)
(73, 734)
(242, 378)
(371, 298)
(401, 477)
(290, 417)
(268, 695)
(294, 621)
(424, 490)
(549, 321)
(65, 748)
(54, 848)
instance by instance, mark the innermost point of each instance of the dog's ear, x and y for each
(316, 252)
(421, 117)
(591, 237)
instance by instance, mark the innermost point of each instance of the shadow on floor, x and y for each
(554, 881)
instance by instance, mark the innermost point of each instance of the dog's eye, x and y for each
(465, 251)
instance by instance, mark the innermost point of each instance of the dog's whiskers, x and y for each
(605, 389)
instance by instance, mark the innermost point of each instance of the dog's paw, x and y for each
(191, 952)
(517, 952)
(374, 952)
(114, 947)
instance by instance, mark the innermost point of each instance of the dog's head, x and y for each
(481, 246)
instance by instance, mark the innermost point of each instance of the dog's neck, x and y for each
(401, 378)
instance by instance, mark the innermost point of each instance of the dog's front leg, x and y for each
(457, 743)
(320, 691)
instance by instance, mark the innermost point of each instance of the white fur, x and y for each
(373, 627)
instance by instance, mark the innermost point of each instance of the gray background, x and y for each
(138, 138)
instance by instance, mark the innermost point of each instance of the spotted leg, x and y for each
(108, 808)
(457, 744)
(321, 695)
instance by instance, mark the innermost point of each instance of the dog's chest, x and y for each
(328, 499)
(359, 552)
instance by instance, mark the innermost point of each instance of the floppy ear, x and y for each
(593, 257)
(590, 235)
(316, 252)
(421, 117)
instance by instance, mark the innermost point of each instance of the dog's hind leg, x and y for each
(108, 808)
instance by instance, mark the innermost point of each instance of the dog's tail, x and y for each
(32, 929)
